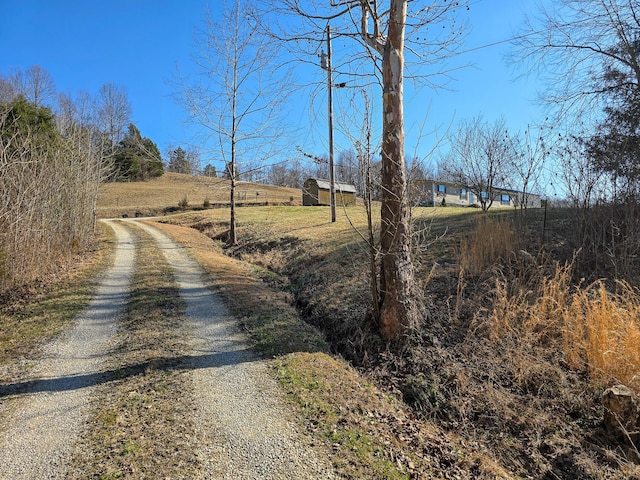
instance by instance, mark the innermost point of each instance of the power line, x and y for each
(499, 42)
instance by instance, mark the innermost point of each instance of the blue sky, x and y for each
(136, 44)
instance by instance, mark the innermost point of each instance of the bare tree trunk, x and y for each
(365, 158)
(236, 96)
(233, 236)
(396, 276)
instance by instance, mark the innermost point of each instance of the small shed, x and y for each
(318, 192)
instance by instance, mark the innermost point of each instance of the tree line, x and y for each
(55, 151)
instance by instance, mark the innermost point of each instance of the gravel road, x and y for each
(42, 414)
(242, 426)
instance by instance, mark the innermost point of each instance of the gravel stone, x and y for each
(243, 429)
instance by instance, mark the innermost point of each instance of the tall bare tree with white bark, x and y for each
(380, 29)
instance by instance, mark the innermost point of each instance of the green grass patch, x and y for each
(345, 410)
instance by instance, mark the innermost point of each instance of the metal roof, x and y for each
(340, 187)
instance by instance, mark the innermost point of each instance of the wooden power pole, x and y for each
(326, 64)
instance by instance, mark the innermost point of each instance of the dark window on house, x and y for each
(463, 194)
(505, 199)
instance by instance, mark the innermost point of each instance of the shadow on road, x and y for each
(74, 382)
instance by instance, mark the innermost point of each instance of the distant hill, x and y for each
(166, 193)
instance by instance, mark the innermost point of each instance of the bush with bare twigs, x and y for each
(48, 183)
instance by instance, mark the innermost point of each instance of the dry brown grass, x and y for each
(492, 241)
(542, 343)
(37, 312)
(168, 191)
(599, 330)
(602, 330)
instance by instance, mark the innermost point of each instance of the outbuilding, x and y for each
(318, 192)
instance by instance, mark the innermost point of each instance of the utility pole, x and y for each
(325, 62)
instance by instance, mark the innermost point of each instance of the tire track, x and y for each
(46, 408)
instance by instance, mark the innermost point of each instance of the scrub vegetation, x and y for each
(503, 378)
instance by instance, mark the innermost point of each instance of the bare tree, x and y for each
(480, 158)
(320, 166)
(347, 170)
(47, 171)
(277, 175)
(364, 150)
(578, 178)
(381, 32)
(576, 44)
(527, 163)
(39, 85)
(288, 173)
(113, 115)
(236, 97)
(35, 84)
(7, 91)
(77, 121)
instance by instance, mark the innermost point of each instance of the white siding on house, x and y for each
(432, 193)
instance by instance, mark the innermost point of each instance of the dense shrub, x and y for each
(48, 186)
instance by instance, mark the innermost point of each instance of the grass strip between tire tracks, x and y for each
(140, 425)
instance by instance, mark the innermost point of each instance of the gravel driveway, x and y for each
(242, 429)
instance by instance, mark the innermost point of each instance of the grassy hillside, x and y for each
(502, 379)
(168, 191)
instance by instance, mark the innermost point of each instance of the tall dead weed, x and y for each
(598, 331)
(537, 305)
(491, 241)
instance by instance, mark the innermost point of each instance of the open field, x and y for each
(166, 192)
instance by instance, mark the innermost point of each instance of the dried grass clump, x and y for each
(491, 241)
(604, 333)
(598, 331)
(533, 310)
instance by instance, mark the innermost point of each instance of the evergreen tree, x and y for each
(178, 161)
(210, 171)
(24, 120)
(137, 158)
